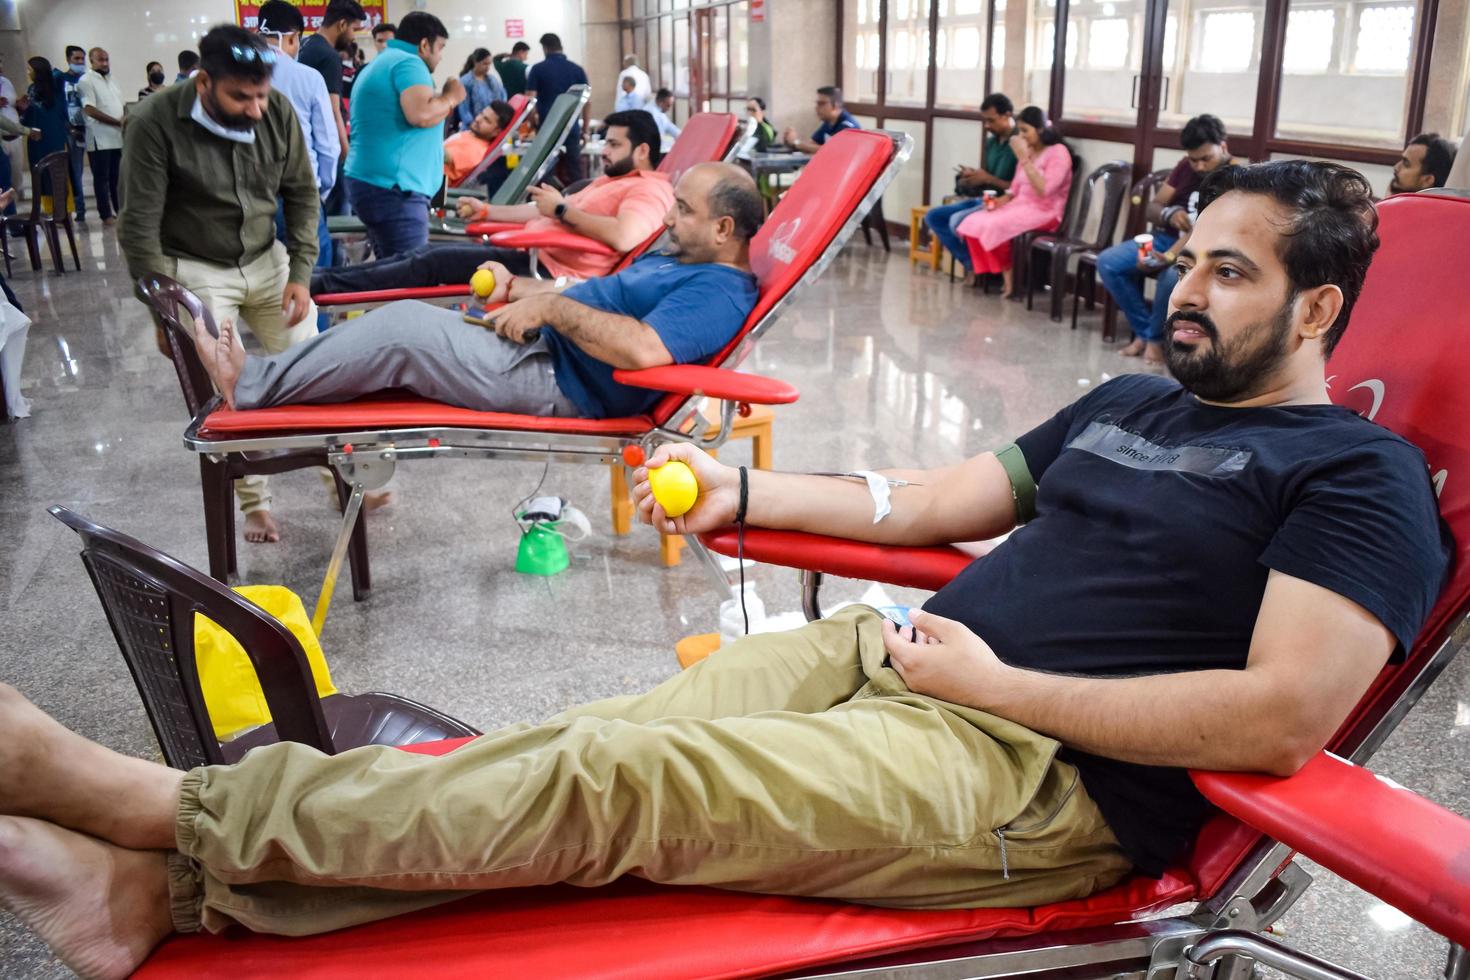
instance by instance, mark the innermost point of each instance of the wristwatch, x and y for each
(561, 211)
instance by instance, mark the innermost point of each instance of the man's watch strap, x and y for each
(561, 211)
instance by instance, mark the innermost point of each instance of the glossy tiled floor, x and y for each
(897, 368)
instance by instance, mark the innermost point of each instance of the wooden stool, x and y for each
(756, 427)
(930, 251)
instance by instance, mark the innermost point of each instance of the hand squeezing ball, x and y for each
(482, 282)
(674, 487)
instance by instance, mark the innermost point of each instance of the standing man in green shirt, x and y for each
(997, 167)
(512, 68)
(203, 167)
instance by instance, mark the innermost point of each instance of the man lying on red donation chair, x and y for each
(548, 351)
(620, 209)
(1209, 574)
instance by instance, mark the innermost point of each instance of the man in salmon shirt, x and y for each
(465, 149)
(622, 208)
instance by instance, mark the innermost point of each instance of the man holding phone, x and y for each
(997, 167)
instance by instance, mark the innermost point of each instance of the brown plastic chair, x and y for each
(54, 169)
(151, 600)
(1084, 286)
(1111, 181)
(165, 299)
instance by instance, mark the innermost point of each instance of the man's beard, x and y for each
(618, 168)
(1393, 186)
(1227, 372)
(241, 122)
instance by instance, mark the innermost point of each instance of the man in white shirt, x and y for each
(642, 87)
(659, 108)
(13, 146)
(102, 104)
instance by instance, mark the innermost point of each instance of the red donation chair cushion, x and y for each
(702, 140)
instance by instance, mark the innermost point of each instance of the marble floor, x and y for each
(897, 368)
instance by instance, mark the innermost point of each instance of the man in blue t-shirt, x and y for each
(76, 133)
(395, 157)
(835, 118)
(547, 350)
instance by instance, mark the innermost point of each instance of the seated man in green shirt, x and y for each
(997, 167)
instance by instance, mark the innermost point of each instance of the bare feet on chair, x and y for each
(223, 356)
(100, 908)
(261, 528)
(49, 772)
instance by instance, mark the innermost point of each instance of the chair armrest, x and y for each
(390, 295)
(1387, 840)
(491, 227)
(917, 568)
(699, 379)
(566, 241)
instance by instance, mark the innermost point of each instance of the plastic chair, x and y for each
(54, 169)
(151, 600)
(166, 301)
(1111, 181)
(1084, 286)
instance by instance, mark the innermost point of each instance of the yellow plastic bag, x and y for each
(231, 690)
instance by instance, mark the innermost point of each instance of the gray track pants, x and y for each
(424, 349)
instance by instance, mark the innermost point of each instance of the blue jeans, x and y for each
(1118, 269)
(324, 249)
(397, 220)
(78, 151)
(943, 220)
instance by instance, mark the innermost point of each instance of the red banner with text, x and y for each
(247, 15)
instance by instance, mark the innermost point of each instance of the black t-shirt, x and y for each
(317, 52)
(1158, 519)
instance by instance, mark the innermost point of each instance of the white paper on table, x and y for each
(14, 327)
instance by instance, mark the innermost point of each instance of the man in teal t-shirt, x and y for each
(395, 156)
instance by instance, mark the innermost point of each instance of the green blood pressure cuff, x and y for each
(1023, 487)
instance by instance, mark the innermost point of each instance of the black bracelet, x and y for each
(744, 495)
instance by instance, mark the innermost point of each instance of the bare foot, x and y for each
(1154, 353)
(261, 528)
(1134, 349)
(223, 356)
(100, 908)
(377, 500)
(1008, 285)
(52, 773)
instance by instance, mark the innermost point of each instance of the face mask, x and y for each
(203, 118)
(78, 69)
(156, 78)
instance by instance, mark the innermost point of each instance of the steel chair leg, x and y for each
(1457, 965)
(811, 584)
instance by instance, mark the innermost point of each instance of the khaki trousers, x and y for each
(791, 763)
(250, 293)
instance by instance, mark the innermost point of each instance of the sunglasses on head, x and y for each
(246, 54)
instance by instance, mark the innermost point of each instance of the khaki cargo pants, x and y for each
(792, 763)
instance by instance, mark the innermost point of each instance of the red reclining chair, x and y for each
(1237, 880)
(363, 440)
(523, 106)
(708, 136)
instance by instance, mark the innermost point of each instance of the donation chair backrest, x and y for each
(518, 102)
(703, 139)
(151, 600)
(808, 227)
(541, 155)
(507, 136)
(1403, 363)
(1141, 196)
(167, 301)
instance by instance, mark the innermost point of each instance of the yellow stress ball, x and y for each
(483, 282)
(674, 487)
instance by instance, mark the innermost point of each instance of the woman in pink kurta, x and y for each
(1036, 201)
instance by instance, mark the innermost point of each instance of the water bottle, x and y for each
(732, 620)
